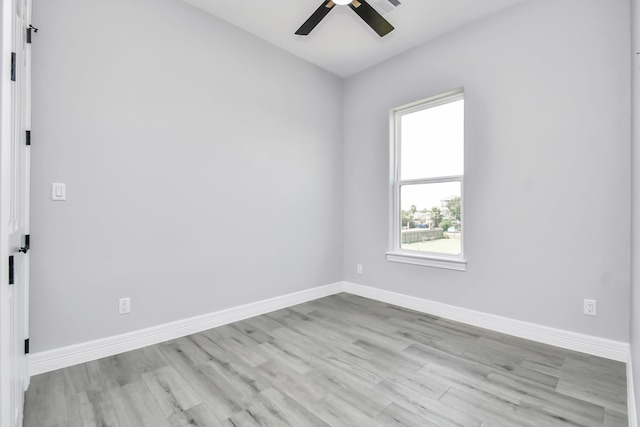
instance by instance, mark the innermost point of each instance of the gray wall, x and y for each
(634, 336)
(194, 154)
(179, 135)
(547, 146)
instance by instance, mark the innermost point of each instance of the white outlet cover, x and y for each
(124, 306)
(590, 307)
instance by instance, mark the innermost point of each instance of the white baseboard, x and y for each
(602, 347)
(63, 357)
(631, 395)
(84, 352)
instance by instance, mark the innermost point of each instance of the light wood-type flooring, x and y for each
(337, 361)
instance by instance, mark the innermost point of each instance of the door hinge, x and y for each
(26, 346)
(28, 137)
(13, 66)
(35, 30)
(27, 244)
(11, 280)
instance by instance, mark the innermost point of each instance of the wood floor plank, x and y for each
(609, 377)
(473, 384)
(560, 413)
(214, 391)
(242, 377)
(323, 333)
(615, 419)
(252, 331)
(395, 415)
(245, 418)
(430, 353)
(350, 389)
(291, 382)
(288, 354)
(303, 308)
(378, 350)
(303, 342)
(291, 316)
(83, 377)
(46, 395)
(292, 411)
(170, 390)
(338, 413)
(411, 387)
(198, 416)
(237, 344)
(547, 401)
(275, 410)
(380, 365)
(135, 406)
(264, 323)
(345, 360)
(593, 393)
(434, 414)
(91, 409)
(421, 334)
(118, 370)
(456, 371)
(485, 406)
(495, 344)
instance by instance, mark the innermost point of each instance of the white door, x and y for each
(14, 209)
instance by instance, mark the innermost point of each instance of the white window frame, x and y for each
(396, 253)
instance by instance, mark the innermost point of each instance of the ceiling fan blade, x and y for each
(371, 17)
(315, 18)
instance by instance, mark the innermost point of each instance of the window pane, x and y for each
(430, 218)
(432, 142)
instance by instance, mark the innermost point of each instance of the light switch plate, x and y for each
(58, 191)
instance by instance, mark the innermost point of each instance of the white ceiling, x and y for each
(342, 43)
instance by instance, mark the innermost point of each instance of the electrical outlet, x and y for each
(124, 306)
(359, 268)
(590, 307)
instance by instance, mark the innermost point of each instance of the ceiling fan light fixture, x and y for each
(360, 7)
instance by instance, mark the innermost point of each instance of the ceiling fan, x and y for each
(361, 7)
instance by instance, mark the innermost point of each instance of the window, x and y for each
(427, 182)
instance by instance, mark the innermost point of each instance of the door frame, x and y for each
(7, 364)
(6, 35)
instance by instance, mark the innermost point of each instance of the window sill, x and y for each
(428, 261)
